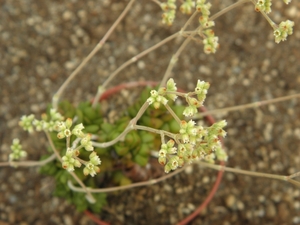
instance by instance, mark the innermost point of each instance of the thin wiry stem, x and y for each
(114, 141)
(227, 9)
(89, 196)
(29, 163)
(138, 184)
(175, 58)
(189, 21)
(294, 175)
(173, 113)
(157, 2)
(131, 126)
(250, 173)
(58, 94)
(155, 131)
(246, 106)
(129, 62)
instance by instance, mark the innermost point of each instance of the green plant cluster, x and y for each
(137, 145)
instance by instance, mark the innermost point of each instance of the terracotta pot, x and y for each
(210, 120)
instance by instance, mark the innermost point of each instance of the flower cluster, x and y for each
(49, 123)
(159, 97)
(63, 128)
(189, 132)
(28, 123)
(187, 6)
(284, 29)
(204, 9)
(70, 159)
(54, 122)
(169, 9)
(87, 143)
(263, 5)
(210, 42)
(171, 87)
(170, 91)
(194, 142)
(17, 151)
(195, 103)
(166, 149)
(156, 99)
(91, 168)
(201, 90)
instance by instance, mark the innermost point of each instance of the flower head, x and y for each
(91, 169)
(77, 130)
(284, 29)
(94, 159)
(26, 123)
(64, 128)
(17, 151)
(87, 143)
(156, 99)
(69, 161)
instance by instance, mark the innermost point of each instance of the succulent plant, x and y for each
(135, 149)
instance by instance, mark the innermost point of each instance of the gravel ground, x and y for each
(41, 42)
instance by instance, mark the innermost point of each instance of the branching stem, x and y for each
(29, 163)
(138, 184)
(89, 196)
(246, 106)
(58, 94)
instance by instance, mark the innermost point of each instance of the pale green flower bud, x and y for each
(94, 159)
(39, 124)
(171, 86)
(156, 99)
(194, 102)
(87, 143)
(91, 169)
(203, 7)
(77, 130)
(26, 123)
(17, 151)
(55, 116)
(168, 168)
(187, 6)
(211, 45)
(69, 162)
(69, 123)
(190, 111)
(263, 5)
(210, 158)
(173, 162)
(162, 153)
(221, 154)
(60, 126)
(285, 28)
(162, 160)
(168, 17)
